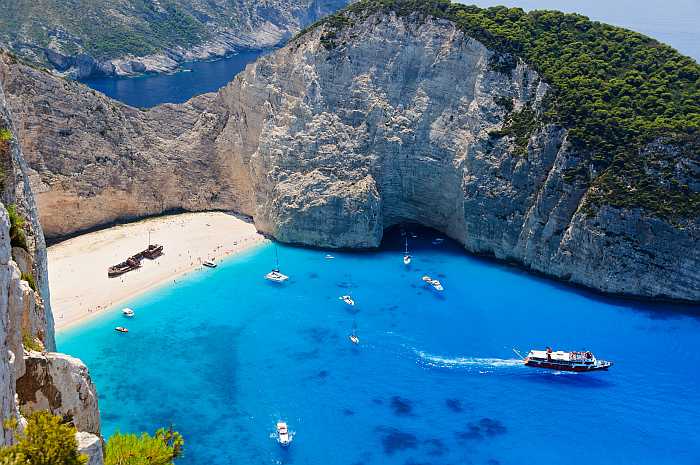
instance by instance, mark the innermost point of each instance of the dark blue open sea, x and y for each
(194, 78)
(224, 354)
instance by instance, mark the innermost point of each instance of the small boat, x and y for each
(283, 434)
(329, 257)
(437, 285)
(438, 241)
(406, 256)
(347, 299)
(276, 275)
(353, 337)
(128, 312)
(121, 329)
(209, 264)
(565, 361)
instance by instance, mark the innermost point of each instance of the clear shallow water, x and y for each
(223, 355)
(153, 89)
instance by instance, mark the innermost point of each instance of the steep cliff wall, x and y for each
(345, 132)
(43, 380)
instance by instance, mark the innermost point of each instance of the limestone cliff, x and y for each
(341, 134)
(43, 380)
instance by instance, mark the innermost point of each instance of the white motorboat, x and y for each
(276, 275)
(329, 257)
(128, 312)
(437, 285)
(209, 264)
(121, 329)
(438, 241)
(347, 299)
(283, 436)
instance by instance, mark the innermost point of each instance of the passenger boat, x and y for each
(209, 264)
(347, 299)
(437, 285)
(121, 329)
(283, 434)
(565, 361)
(128, 312)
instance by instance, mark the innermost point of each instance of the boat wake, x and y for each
(436, 361)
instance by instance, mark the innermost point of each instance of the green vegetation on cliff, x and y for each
(129, 449)
(616, 91)
(46, 440)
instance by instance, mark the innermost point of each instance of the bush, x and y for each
(129, 449)
(45, 441)
(30, 280)
(17, 236)
(31, 343)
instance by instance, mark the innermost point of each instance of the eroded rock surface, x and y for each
(60, 384)
(330, 146)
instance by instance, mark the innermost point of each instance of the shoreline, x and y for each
(80, 288)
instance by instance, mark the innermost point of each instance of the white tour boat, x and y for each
(209, 264)
(283, 436)
(121, 329)
(128, 312)
(565, 361)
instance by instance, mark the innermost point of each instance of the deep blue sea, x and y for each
(223, 355)
(195, 78)
(674, 22)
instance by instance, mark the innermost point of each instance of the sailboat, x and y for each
(353, 337)
(406, 256)
(276, 275)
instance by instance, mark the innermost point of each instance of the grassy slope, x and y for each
(614, 89)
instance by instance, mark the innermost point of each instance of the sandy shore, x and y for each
(78, 278)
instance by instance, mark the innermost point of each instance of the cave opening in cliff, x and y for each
(418, 238)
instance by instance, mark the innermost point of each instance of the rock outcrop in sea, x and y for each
(32, 375)
(397, 121)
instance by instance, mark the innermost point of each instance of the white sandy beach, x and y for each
(80, 287)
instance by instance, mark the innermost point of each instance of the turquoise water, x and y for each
(224, 354)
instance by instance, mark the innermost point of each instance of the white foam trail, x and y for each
(437, 361)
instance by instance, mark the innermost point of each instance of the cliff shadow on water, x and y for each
(425, 239)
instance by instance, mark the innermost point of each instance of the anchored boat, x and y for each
(128, 312)
(283, 434)
(209, 264)
(276, 275)
(565, 361)
(406, 256)
(347, 299)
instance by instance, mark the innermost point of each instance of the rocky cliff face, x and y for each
(132, 37)
(43, 380)
(330, 145)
